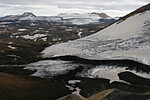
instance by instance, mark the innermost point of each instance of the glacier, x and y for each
(125, 39)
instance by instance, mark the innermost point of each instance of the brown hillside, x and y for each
(13, 87)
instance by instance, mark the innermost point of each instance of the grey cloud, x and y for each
(30, 5)
(99, 6)
(55, 2)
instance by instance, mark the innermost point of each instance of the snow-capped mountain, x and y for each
(17, 17)
(27, 14)
(85, 15)
(65, 18)
(128, 38)
(79, 19)
(10, 17)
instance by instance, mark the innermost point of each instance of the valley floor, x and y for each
(17, 84)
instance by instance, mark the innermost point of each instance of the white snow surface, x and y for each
(111, 73)
(74, 81)
(71, 86)
(77, 91)
(11, 47)
(62, 51)
(76, 15)
(81, 19)
(34, 36)
(85, 15)
(127, 37)
(49, 68)
(79, 34)
(44, 39)
(22, 30)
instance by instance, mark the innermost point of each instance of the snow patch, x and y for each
(51, 68)
(22, 30)
(71, 86)
(13, 56)
(74, 81)
(34, 36)
(79, 34)
(10, 43)
(111, 72)
(16, 33)
(77, 91)
(44, 39)
(11, 47)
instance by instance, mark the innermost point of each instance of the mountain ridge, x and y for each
(65, 18)
(139, 10)
(15, 17)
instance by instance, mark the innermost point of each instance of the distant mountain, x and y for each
(27, 14)
(85, 15)
(10, 17)
(87, 18)
(103, 15)
(65, 18)
(17, 17)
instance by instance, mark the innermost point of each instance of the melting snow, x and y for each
(65, 50)
(71, 87)
(51, 68)
(11, 47)
(44, 39)
(16, 33)
(111, 73)
(13, 56)
(121, 36)
(34, 36)
(74, 81)
(79, 34)
(10, 43)
(22, 30)
(77, 91)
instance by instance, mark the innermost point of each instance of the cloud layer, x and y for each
(53, 7)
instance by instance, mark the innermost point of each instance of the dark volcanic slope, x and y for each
(140, 10)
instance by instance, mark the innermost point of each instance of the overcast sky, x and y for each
(53, 7)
